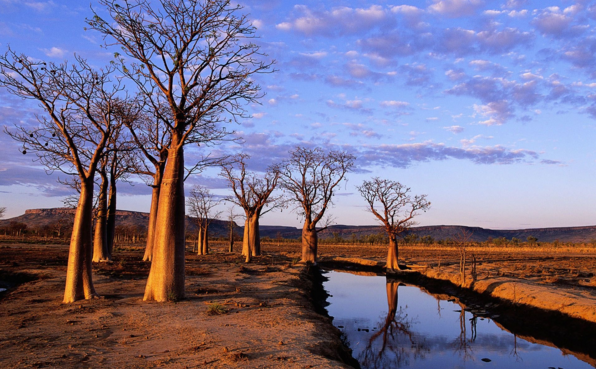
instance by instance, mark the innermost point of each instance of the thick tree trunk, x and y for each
(245, 238)
(111, 219)
(79, 282)
(251, 242)
(231, 249)
(309, 244)
(254, 236)
(200, 240)
(100, 240)
(205, 243)
(166, 277)
(392, 255)
(153, 216)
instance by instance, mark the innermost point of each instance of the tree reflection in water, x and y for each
(462, 344)
(394, 342)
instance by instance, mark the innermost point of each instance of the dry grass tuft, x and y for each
(216, 308)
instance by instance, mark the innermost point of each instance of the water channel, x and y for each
(391, 325)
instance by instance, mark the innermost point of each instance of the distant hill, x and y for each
(37, 218)
(442, 232)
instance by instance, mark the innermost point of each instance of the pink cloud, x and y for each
(455, 8)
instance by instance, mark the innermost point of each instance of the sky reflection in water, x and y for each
(419, 331)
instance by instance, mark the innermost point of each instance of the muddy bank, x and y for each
(546, 326)
(260, 315)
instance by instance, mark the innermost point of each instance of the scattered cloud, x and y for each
(355, 105)
(455, 8)
(455, 129)
(405, 155)
(55, 52)
(496, 112)
(335, 22)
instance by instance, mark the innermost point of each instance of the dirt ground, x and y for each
(234, 315)
(256, 315)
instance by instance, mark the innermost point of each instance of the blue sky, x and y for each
(488, 107)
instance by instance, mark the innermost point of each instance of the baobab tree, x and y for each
(100, 238)
(201, 203)
(391, 203)
(122, 163)
(2, 211)
(195, 58)
(117, 162)
(311, 177)
(71, 137)
(253, 194)
(231, 224)
(152, 137)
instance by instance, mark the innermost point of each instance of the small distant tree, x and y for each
(253, 194)
(17, 228)
(231, 224)
(311, 177)
(201, 203)
(391, 203)
(532, 240)
(427, 240)
(500, 241)
(411, 238)
(462, 240)
(2, 211)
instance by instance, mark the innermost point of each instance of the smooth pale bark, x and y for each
(111, 218)
(166, 276)
(205, 243)
(255, 236)
(153, 216)
(200, 240)
(309, 244)
(392, 255)
(245, 241)
(100, 240)
(79, 281)
(251, 243)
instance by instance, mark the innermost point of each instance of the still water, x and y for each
(390, 325)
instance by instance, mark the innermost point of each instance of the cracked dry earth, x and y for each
(267, 319)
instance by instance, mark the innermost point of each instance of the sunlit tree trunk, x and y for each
(111, 218)
(205, 243)
(392, 255)
(79, 282)
(251, 242)
(245, 238)
(166, 277)
(100, 240)
(200, 240)
(153, 216)
(309, 244)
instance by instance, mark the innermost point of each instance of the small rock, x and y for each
(281, 343)
(486, 360)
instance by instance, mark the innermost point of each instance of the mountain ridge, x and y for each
(35, 218)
